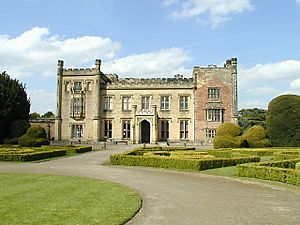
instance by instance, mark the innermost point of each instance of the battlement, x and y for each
(228, 64)
(152, 83)
(79, 71)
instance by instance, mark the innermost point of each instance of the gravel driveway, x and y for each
(183, 198)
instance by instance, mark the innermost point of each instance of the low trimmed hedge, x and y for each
(282, 171)
(69, 149)
(178, 163)
(30, 156)
(37, 153)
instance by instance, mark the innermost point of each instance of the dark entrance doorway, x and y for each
(145, 131)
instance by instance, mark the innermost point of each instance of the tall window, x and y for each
(77, 131)
(184, 103)
(126, 103)
(108, 104)
(165, 103)
(77, 86)
(77, 107)
(126, 129)
(213, 93)
(164, 129)
(145, 102)
(184, 129)
(214, 115)
(107, 129)
(210, 133)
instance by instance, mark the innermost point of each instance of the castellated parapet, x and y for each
(150, 83)
(92, 106)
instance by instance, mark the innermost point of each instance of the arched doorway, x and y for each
(145, 131)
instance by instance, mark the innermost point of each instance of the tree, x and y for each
(283, 121)
(15, 105)
(34, 115)
(48, 114)
(251, 117)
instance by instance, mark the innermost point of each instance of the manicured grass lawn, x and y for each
(231, 171)
(43, 199)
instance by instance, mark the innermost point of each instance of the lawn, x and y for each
(44, 199)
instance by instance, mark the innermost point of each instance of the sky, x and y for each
(152, 38)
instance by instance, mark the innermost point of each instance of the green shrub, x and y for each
(11, 141)
(255, 137)
(18, 128)
(227, 142)
(189, 162)
(283, 121)
(283, 171)
(29, 155)
(297, 166)
(229, 129)
(36, 131)
(35, 137)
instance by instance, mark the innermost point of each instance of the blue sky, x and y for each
(157, 38)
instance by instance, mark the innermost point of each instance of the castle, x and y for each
(94, 107)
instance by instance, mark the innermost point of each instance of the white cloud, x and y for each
(263, 82)
(42, 101)
(295, 85)
(164, 62)
(262, 91)
(35, 52)
(212, 12)
(279, 71)
(33, 55)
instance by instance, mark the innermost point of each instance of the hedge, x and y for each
(69, 149)
(282, 155)
(178, 163)
(282, 171)
(30, 156)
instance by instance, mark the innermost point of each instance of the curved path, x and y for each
(183, 198)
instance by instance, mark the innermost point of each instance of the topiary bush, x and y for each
(255, 137)
(227, 141)
(228, 136)
(283, 121)
(35, 137)
(229, 129)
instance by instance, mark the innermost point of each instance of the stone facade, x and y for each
(92, 106)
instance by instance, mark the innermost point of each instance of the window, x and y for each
(210, 133)
(126, 102)
(164, 129)
(145, 102)
(126, 129)
(77, 131)
(214, 115)
(77, 86)
(107, 129)
(77, 107)
(108, 104)
(184, 133)
(165, 103)
(213, 93)
(183, 102)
